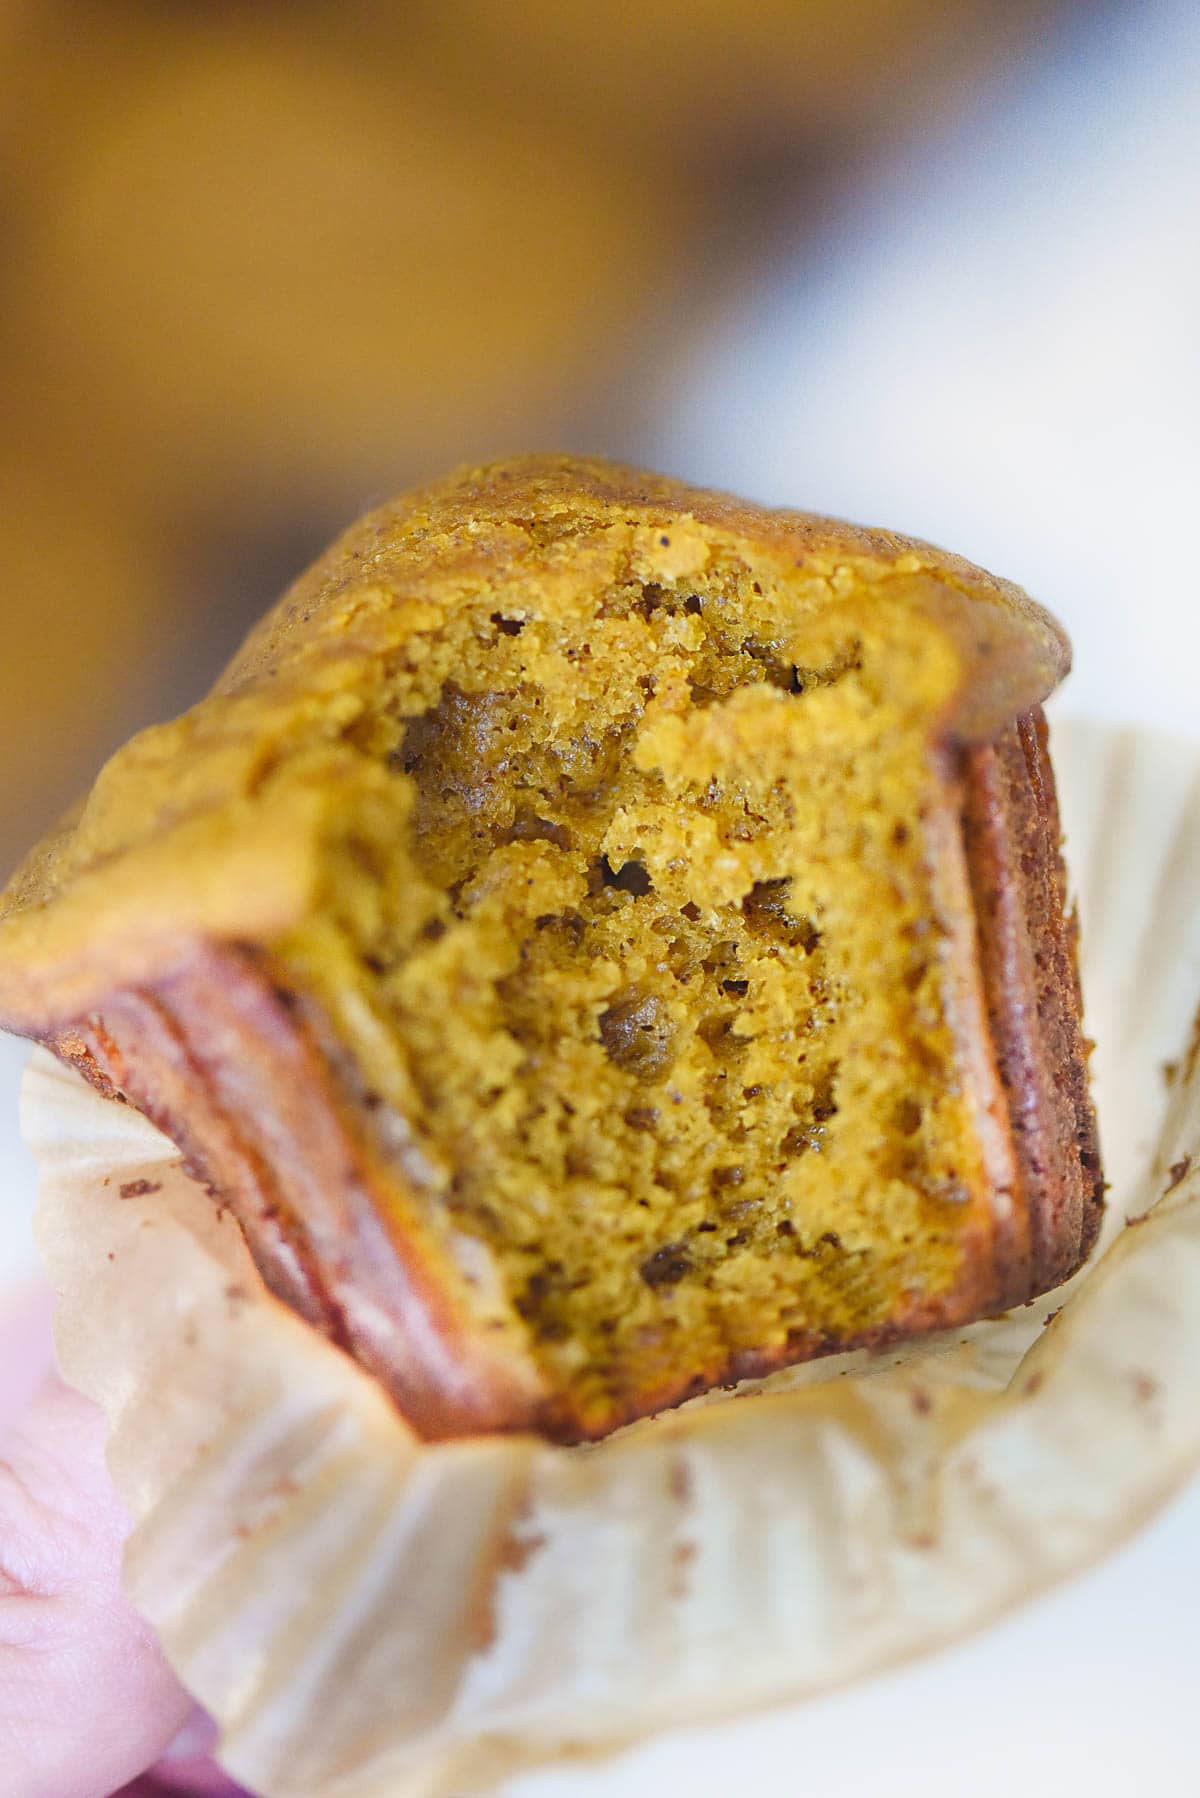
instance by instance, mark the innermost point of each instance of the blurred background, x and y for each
(933, 264)
(263, 264)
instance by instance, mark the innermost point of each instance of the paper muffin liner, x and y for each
(365, 1614)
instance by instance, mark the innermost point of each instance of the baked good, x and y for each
(602, 939)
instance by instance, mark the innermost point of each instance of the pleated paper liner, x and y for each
(370, 1617)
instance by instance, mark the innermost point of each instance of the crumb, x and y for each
(682, 1556)
(518, 1551)
(680, 1481)
(1179, 1171)
(139, 1189)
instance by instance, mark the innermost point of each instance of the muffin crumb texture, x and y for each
(629, 930)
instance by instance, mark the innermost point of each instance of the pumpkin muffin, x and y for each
(603, 940)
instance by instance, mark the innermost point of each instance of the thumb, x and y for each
(87, 1701)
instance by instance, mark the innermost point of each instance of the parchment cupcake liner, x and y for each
(368, 1615)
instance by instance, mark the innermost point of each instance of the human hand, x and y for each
(88, 1704)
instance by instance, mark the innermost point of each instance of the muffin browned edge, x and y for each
(1028, 957)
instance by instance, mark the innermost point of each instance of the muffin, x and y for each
(602, 940)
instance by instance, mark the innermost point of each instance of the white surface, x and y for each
(1086, 1694)
(1004, 359)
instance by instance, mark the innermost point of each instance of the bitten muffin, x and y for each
(602, 939)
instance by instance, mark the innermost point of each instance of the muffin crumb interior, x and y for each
(633, 926)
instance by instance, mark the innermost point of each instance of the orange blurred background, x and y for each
(264, 264)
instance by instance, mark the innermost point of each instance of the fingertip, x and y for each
(188, 1766)
(87, 1700)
